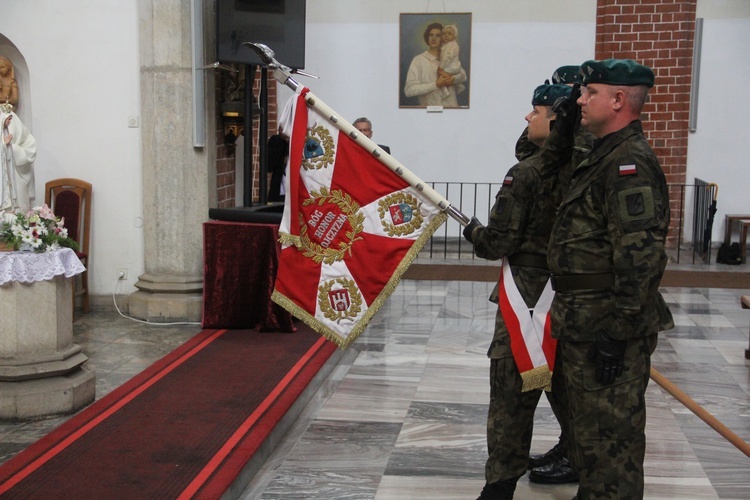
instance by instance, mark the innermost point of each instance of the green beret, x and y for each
(546, 95)
(616, 72)
(567, 74)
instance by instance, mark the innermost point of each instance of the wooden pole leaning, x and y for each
(700, 412)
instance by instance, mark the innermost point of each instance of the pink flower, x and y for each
(46, 212)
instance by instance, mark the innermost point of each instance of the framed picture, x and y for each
(434, 49)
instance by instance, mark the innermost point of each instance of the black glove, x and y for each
(470, 228)
(568, 112)
(609, 356)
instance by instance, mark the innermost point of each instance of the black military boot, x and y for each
(556, 453)
(559, 472)
(500, 490)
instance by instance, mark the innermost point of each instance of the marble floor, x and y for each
(402, 414)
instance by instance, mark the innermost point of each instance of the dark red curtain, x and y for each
(240, 262)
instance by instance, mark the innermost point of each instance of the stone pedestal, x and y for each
(42, 371)
(167, 298)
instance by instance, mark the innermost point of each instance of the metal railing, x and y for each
(477, 198)
(704, 209)
(470, 198)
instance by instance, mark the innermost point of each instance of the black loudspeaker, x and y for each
(280, 24)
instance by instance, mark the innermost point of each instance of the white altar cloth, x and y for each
(29, 267)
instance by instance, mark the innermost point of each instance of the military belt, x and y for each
(528, 260)
(573, 282)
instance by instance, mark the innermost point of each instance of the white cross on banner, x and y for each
(351, 225)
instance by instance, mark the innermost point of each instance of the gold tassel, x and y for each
(537, 378)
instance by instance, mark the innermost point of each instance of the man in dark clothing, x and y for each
(365, 126)
(606, 253)
(278, 153)
(554, 466)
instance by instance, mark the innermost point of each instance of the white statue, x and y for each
(17, 154)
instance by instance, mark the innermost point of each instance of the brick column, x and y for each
(225, 159)
(659, 34)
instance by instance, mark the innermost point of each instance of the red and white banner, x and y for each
(351, 227)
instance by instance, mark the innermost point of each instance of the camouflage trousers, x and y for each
(606, 423)
(510, 419)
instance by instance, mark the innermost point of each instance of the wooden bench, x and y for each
(730, 220)
(744, 225)
(745, 302)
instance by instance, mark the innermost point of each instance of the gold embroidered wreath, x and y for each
(356, 221)
(321, 134)
(354, 296)
(402, 229)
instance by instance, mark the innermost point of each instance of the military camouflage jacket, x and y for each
(614, 219)
(567, 151)
(520, 222)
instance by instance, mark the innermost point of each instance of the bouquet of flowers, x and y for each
(39, 230)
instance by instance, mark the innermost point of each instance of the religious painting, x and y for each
(434, 49)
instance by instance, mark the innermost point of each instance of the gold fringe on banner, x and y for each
(344, 341)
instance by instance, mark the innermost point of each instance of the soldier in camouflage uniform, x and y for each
(519, 227)
(606, 253)
(554, 466)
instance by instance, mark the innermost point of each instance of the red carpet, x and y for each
(183, 428)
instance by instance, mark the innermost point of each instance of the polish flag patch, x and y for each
(627, 169)
(509, 180)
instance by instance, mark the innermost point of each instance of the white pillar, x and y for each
(179, 179)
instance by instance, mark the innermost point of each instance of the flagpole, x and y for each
(284, 77)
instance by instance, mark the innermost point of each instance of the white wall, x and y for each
(515, 46)
(717, 150)
(84, 83)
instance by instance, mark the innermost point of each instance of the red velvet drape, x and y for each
(239, 271)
